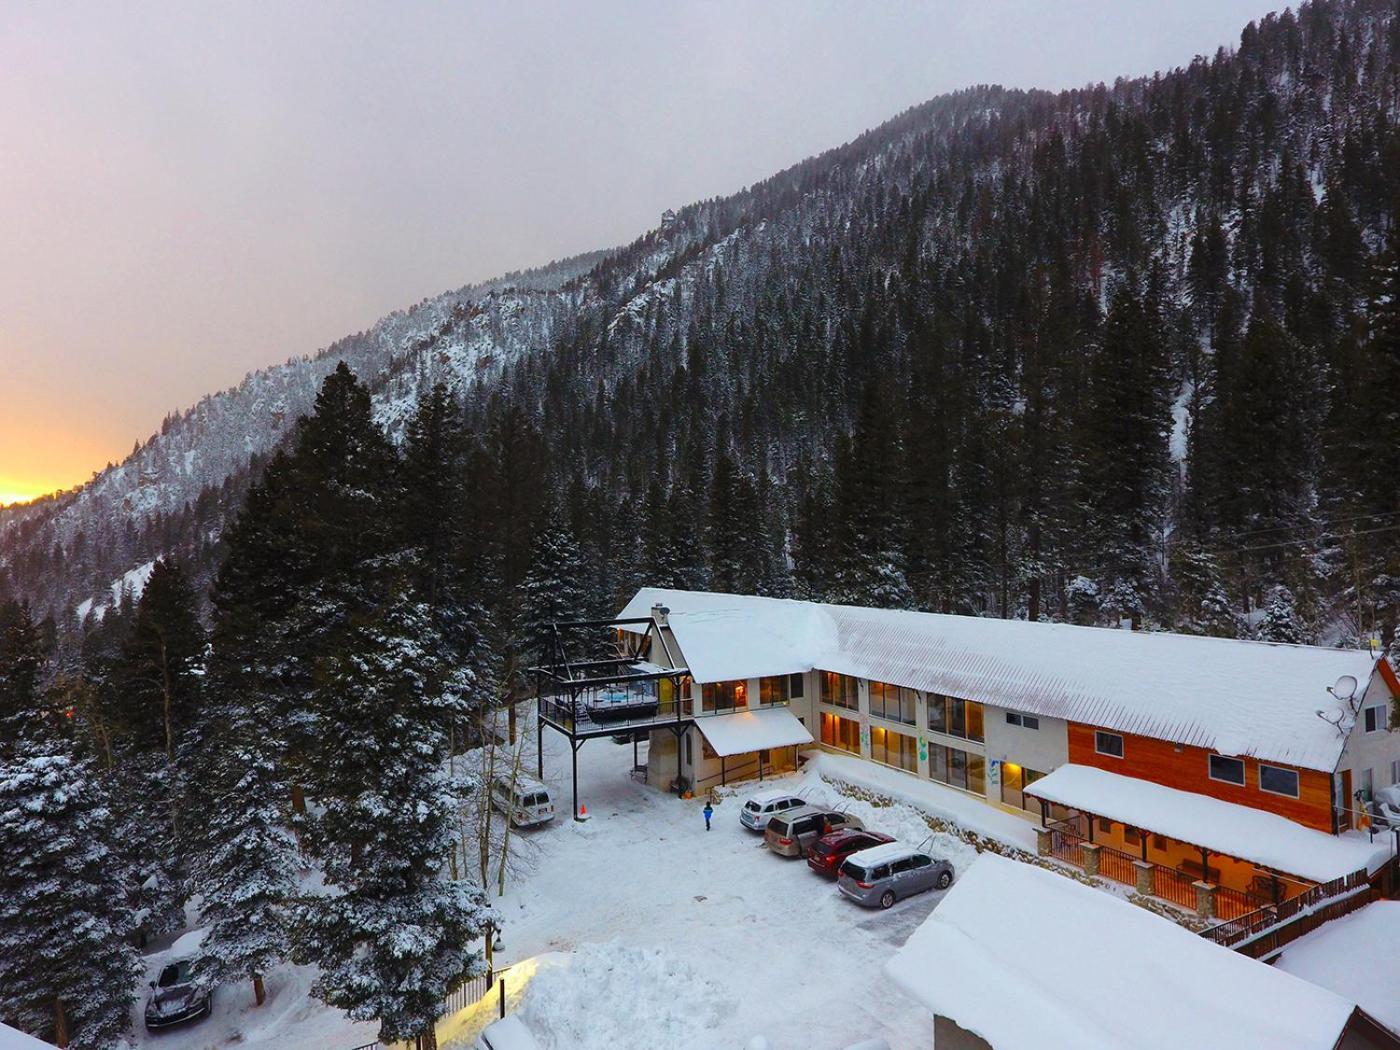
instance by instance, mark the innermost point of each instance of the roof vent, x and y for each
(659, 613)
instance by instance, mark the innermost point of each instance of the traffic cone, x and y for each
(582, 811)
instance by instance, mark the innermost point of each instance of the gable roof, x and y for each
(1237, 697)
(1025, 957)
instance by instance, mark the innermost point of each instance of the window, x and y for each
(1367, 785)
(842, 733)
(948, 714)
(775, 689)
(723, 696)
(795, 687)
(1110, 744)
(957, 768)
(894, 749)
(921, 861)
(840, 690)
(1228, 770)
(1278, 781)
(1105, 825)
(902, 865)
(1373, 718)
(1024, 721)
(689, 751)
(892, 702)
(1395, 771)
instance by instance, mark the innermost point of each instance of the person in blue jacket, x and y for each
(709, 812)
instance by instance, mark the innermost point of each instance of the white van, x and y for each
(525, 804)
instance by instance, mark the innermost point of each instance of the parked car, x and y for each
(525, 802)
(763, 807)
(791, 833)
(884, 874)
(826, 855)
(176, 996)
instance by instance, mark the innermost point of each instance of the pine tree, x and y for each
(392, 934)
(155, 689)
(67, 969)
(1126, 455)
(1280, 622)
(21, 661)
(728, 529)
(553, 590)
(870, 542)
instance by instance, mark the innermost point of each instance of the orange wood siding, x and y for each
(1188, 769)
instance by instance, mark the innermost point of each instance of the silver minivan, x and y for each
(759, 809)
(792, 832)
(525, 802)
(881, 875)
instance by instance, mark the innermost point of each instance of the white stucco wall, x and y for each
(1044, 749)
(1374, 751)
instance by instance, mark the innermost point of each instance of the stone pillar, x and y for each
(1089, 857)
(1205, 899)
(1144, 877)
(1042, 841)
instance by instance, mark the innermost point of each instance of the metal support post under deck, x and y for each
(539, 744)
(573, 750)
(723, 770)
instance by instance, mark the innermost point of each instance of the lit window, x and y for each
(1278, 781)
(1228, 770)
(1110, 744)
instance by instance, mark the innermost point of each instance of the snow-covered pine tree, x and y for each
(245, 867)
(67, 968)
(870, 550)
(728, 529)
(392, 933)
(154, 685)
(1126, 470)
(553, 588)
(1280, 621)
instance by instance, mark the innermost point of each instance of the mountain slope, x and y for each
(1093, 342)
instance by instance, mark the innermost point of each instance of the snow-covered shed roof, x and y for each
(14, 1039)
(1236, 697)
(746, 731)
(1221, 827)
(1024, 957)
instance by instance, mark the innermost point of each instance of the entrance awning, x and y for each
(1220, 827)
(738, 734)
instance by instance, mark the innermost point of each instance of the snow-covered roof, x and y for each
(1221, 827)
(1354, 956)
(738, 734)
(14, 1039)
(1236, 697)
(1025, 957)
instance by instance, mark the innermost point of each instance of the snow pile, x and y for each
(613, 996)
(1354, 956)
(900, 820)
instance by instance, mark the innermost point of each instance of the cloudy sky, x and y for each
(189, 191)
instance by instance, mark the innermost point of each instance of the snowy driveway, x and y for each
(787, 956)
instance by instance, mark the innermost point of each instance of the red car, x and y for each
(826, 855)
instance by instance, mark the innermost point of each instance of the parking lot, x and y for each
(779, 951)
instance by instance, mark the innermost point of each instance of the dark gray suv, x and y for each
(881, 875)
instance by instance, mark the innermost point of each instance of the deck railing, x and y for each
(1323, 898)
(1173, 885)
(1116, 865)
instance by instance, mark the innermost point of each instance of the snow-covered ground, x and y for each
(1357, 956)
(666, 929)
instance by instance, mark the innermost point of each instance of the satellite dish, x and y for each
(1345, 688)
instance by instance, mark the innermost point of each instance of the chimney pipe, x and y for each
(659, 613)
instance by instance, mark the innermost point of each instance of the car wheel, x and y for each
(887, 899)
(945, 879)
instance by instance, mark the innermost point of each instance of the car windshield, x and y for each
(175, 973)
